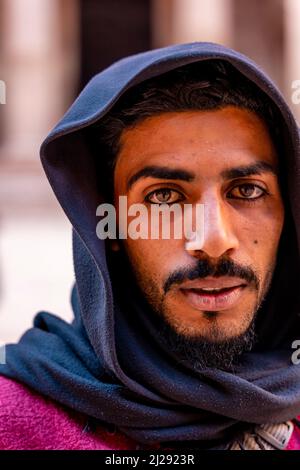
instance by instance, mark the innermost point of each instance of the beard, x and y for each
(217, 349)
(201, 353)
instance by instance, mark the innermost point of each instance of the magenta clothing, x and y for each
(30, 421)
(294, 442)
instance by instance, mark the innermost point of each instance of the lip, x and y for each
(211, 302)
(213, 283)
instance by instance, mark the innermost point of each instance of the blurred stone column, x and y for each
(259, 34)
(38, 67)
(179, 21)
(292, 53)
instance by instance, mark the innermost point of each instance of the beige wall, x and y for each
(292, 51)
(40, 70)
(179, 21)
(39, 52)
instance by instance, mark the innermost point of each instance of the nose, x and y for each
(217, 234)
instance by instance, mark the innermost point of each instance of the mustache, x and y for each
(204, 268)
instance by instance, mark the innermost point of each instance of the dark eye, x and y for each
(164, 196)
(247, 191)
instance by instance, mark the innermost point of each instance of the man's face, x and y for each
(224, 159)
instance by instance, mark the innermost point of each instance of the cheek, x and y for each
(261, 234)
(153, 259)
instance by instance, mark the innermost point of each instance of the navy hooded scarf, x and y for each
(114, 370)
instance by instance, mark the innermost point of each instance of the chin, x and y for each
(210, 343)
(212, 326)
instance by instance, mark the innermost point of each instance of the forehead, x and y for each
(206, 141)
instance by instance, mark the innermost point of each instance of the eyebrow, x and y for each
(161, 172)
(256, 168)
(168, 173)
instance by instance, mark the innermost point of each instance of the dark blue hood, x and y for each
(85, 365)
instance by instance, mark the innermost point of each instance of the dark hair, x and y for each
(206, 85)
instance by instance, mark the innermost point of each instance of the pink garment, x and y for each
(294, 442)
(30, 421)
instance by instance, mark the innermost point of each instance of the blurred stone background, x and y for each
(49, 49)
